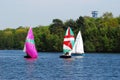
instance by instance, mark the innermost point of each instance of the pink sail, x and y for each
(29, 46)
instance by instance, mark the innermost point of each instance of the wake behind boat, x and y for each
(68, 43)
(29, 46)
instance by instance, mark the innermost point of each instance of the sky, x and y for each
(15, 13)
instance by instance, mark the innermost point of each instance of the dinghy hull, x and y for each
(64, 56)
(27, 56)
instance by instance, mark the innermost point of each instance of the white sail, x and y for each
(24, 49)
(78, 46)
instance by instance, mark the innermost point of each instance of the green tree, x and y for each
(57, 27)
(19, 38)
(8, 38)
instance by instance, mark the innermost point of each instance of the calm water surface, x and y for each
(48, 66)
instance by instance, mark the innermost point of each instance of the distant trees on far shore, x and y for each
(100, 34)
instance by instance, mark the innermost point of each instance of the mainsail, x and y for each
(78, 46)
(68, 40)
(29, 46)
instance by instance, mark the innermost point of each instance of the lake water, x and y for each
(48, 66)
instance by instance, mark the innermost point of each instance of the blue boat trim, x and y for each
(75, 54)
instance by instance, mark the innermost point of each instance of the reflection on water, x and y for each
(30, 67)
(68, 59)
(30, 60)
(50, 67)
(78, 57)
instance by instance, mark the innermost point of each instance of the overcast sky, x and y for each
(15, 13)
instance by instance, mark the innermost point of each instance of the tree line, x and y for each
(100, 34)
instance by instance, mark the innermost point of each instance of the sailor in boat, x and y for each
(27, 56)
(67, 53)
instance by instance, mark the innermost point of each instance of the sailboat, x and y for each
(68, 43)
(29, 46)
(78, 48)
